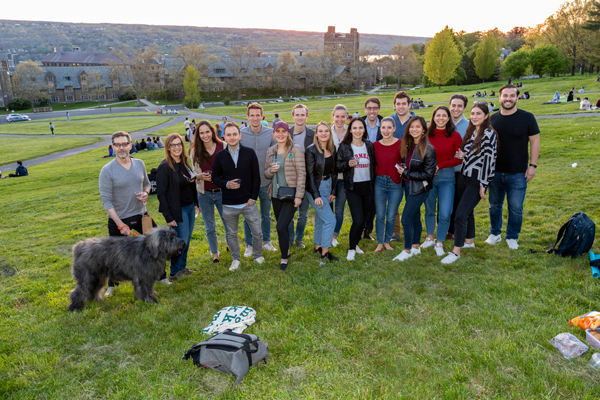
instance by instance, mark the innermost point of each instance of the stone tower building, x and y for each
(346, 43)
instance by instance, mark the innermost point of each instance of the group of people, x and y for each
(167, 111)
(372, 163)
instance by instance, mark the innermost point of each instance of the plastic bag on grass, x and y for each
(590, 320)
(236, 318)
(568, 345)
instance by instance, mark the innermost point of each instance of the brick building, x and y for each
(347, 44)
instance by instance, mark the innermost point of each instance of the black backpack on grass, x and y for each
(230, 353)
(576, 236)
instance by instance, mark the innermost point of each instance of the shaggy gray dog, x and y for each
(139, 259)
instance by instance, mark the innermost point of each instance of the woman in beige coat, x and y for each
(285, 165)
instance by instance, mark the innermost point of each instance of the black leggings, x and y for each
(361, 202)
(468, 198)
(284, 213)
(135, 224)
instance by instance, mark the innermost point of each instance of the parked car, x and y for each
(295, 99)
(303, 99)
(17, 117)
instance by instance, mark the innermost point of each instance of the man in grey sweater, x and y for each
(124, 188)
(259, 138)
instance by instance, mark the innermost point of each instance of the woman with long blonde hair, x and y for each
(321, 187)
(338, 132)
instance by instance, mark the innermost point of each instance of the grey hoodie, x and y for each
(260, 143)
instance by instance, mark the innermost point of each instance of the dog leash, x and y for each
(123, 226)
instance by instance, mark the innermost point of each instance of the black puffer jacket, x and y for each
(345, 154)
(421, 170)
(315, 165)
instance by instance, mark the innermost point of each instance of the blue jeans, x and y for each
(443, 192)
(208, 201)
(184, 231)
(324, 218)
(301, 225)
(386, 191)
(340, 204)
(513, 186)
(265, 218)
(411, 217)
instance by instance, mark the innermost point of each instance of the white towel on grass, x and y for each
(236, 318)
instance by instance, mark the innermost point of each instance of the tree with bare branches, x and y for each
(286, 72)
(403, 63)
(322, 66)
(138, 69)
(31, 83)
(241, 65)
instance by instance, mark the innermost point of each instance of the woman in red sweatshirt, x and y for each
(446, 141)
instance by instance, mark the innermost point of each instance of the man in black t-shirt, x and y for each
(517, 133)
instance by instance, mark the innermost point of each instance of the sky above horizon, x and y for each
(307, 15)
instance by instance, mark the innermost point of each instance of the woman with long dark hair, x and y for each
(446, 141)
(321, 187)
(356, 159)
(286, 167)
(177, 197)
(388, 183)
(478, 152)
(205, 148)
(417, 173)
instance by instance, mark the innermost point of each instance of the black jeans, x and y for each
(411, 217)
(468, 198)
(135, 224)
(454, 205)
(284, 213)
(361, 201)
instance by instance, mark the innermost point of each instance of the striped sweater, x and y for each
(481, 165)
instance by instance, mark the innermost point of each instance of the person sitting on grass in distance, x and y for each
(285, 166)
(111, 152)
(585, 104)
(388, 184)
(20, 171)
(206, 147)
(446, 141)
(177, 198)
(149, 144)
(236, 171)
(417, 173)
(321, 186)
(356, 159)
(143, 145)
(478, 152)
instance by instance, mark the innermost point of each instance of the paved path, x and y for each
(104, 143)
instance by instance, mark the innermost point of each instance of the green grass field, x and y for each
(100, 116)
(13, 149)
(85, 127)
(368, 329)
(541, 89)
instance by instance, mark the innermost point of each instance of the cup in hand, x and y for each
(209, 174)
(275, 165)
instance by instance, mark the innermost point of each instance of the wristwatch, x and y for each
(533, 165)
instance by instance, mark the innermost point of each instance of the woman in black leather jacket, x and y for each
(321, 187)
(356, 159)
(417, 173)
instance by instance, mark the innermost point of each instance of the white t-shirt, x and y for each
(362, 169)
(187, 124)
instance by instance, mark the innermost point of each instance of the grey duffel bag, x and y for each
(230, 353)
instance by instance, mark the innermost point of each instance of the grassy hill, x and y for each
(37, 38)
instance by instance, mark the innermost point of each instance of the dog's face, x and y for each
(163, 243)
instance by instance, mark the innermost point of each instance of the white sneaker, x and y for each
(439, 249)
(234, 265)
(493, 239)
(512, 244)
(403, 256)
(248, 252)
(450, 258)
(109, 291)
(269, 247)
(165, 281)
(260, 260)
(428, 243)
(359, 251)
(469, 245)
(351, 254)
(334, 242)
(415, 251)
